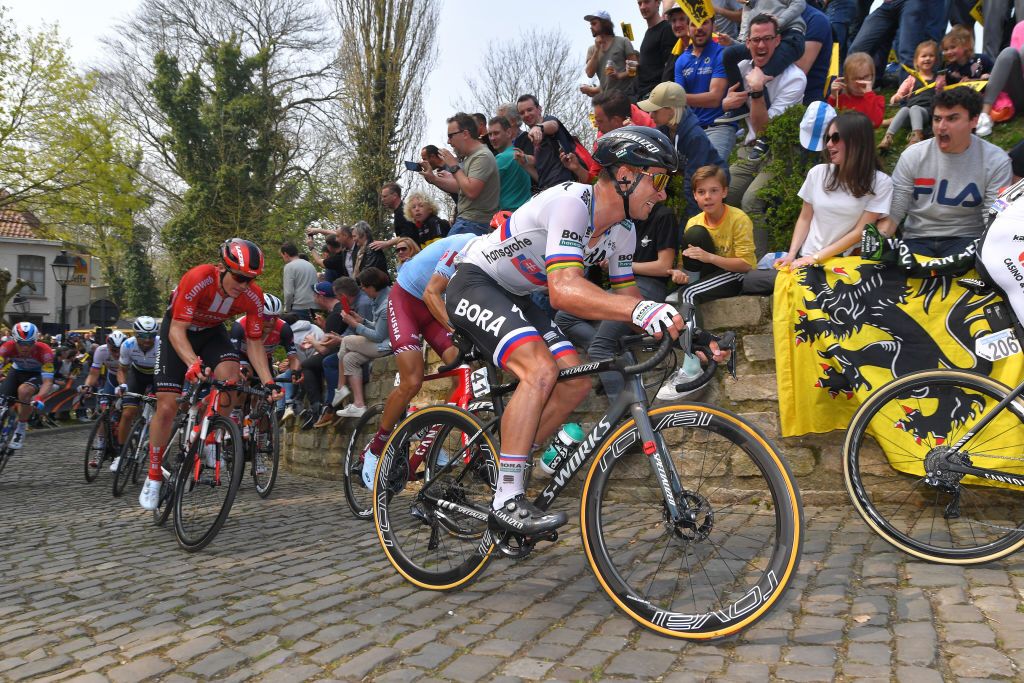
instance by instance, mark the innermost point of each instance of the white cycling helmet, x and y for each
(145, 327)
(25, 333)
(271, 305)
(115, 339)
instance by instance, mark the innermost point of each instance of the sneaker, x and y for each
(339, 396)
(688, 371)
(758, 150)
(915, 137)
(326, 419)
(288, 415)
(351, 410)
(309, 418)
(114, 464)
(734, 115)
(886, 143)
(149, 497)
(520, 516)
(369, 467)
(984, 128)
(17, 441)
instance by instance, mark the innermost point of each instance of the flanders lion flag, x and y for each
(845, 329)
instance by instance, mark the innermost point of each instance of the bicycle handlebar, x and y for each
(465, 354)
(663, 349)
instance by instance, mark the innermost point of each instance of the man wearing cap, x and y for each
(680, 24)
(667, 106)
(701, 73)
(607, 57)
(655, 48)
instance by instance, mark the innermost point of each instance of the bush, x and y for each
(788, 165)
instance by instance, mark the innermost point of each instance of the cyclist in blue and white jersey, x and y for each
(545, 245)
(136, 363)
(105, 359)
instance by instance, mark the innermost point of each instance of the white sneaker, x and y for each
(113, 465)
(687, 372)
(339, 396)
(984, 128)
(149, 497)
(17, 441)
(351, 410)
(369, 467)
(289, 414)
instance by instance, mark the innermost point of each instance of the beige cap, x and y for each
(667, 94)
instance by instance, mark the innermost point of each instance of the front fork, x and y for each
(656, 449)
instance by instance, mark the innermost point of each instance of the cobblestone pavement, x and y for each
(296, 589)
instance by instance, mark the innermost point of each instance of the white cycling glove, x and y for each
(653, 316)
(121, 390)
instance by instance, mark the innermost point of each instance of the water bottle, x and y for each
(568, 436)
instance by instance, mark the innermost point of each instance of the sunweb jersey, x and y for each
(197, 301)
(550, 232)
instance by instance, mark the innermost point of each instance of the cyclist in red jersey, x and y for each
(29, 377)
(195, 341)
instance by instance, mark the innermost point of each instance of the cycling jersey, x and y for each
(436, 257)
(279, 335)
(198, 301)
(133, 355)
(550, 232)
(37, 358)
(102, 357)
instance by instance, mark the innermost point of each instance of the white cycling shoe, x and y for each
(149, 497)
(17, 441)
(369, 467)
(115, 463)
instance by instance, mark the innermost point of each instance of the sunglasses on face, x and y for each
(833, 138)
(659, 180)
(242, 279)
(451, 135)
(402, 250)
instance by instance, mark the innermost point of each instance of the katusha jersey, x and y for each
(133, 355)
(197, 301)
(550, 232)
(39, 358)
(103, 358)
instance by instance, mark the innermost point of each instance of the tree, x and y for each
(226, 148)
(8, 292)
(387, 51)
(536, 62)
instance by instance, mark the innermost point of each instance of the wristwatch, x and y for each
(452, 169)
(755, 94)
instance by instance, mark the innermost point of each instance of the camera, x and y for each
(413, 165)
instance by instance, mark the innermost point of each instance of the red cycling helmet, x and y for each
(242, 257)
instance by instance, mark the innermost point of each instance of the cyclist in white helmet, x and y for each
(135, 372)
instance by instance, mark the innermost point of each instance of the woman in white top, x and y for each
(840, 196)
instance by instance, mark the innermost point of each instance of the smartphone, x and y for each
(413, 165)
(566, 144)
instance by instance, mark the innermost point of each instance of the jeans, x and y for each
(723, 139)
(937, 247)
(331, 373)
(602, 340)
(285, 380)
(745, 181)
(842, 14)
(908, 22)
(461, 225)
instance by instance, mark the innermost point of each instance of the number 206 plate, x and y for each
(998, 345)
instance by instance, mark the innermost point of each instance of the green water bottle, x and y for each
(568, 436)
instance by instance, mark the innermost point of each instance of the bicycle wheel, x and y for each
(727, 563)
(96, 452)
(902, 431)
(433, 544)
(7, 425)
(266, 450)
(174, 459)
(360, 499)
(206, 486)
(128, 464)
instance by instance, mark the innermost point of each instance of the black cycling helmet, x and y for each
(638, 146)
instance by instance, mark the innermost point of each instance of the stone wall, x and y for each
(814, 459)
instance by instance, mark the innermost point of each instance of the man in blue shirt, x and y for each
(700, 71)
(817, 53)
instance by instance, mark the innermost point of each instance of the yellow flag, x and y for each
(699, 11)
(833, 69)
(977, 14)
(977, 85)
(678, 48)
(627, 30)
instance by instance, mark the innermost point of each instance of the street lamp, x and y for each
(20, 304)
(63, 271)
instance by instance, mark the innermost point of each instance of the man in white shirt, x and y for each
(767, 98)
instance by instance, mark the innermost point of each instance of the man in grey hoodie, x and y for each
(299, 277)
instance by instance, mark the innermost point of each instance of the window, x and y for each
(33, 269)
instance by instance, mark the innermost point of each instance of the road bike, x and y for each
(210, 471)
(133, 460)
(934, 460)
(672, 547)
(261, 436)
(8, 423)
(360, 500)
(102, 447)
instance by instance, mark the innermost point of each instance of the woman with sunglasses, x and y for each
(840, 196)
(405, 249)
(195, 341)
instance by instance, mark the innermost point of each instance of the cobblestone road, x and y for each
(295, 589)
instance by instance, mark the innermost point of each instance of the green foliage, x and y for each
(788, 165)
(227, 145)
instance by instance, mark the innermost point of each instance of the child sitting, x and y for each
(915, 98)
(853, 90)
(959, 59)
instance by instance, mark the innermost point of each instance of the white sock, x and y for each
(511, 478)
(21, 428)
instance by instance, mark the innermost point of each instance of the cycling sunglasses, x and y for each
(241, 279)
(659, 180)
